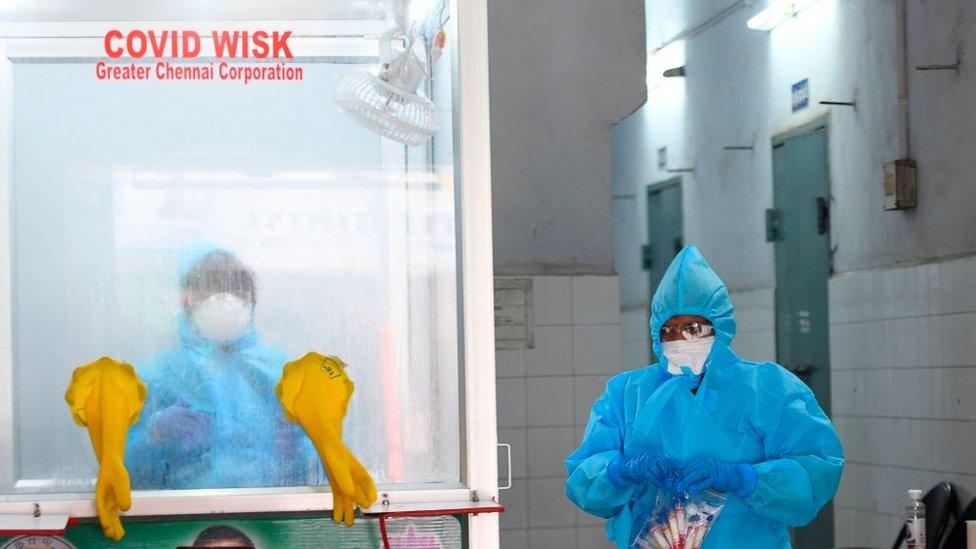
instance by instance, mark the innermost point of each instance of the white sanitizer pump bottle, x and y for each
(915, 521)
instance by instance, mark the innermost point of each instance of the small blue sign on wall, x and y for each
(801, 95)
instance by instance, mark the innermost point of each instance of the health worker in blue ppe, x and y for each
(211, 417)
(704, 419)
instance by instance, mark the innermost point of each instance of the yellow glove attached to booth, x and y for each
(106, 396)
(314, 392)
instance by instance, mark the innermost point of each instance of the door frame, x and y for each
(655, 188)
(819, 124)
(662, 185)
(822, 122)
(651, 189)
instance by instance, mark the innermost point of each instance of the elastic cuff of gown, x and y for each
(614, 475)
(750, 479)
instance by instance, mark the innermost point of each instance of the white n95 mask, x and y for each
(222, 317)
(687, 356)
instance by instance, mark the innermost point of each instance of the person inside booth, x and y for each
(211, 418)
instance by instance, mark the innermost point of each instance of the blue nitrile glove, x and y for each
(181, 423)
(738, 479)
(660, 471)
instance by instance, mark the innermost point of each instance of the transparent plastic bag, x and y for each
(679, 521)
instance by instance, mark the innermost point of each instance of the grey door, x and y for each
(801, 232)
(664, 232)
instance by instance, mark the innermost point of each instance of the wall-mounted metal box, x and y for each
(900, 185)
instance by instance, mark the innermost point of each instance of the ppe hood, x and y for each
(691, 287)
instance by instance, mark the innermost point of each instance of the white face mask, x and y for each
(222, 317)
(687, 356)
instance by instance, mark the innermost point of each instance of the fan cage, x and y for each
(382, 108)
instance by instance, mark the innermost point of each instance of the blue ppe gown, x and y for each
(244, 439)
(742, 412)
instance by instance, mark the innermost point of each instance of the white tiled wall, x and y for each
(544, 396)
(903, 362)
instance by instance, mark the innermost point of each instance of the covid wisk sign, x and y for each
(178, 55)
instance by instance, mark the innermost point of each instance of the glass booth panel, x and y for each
(146, 215)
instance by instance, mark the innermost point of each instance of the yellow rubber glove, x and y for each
(314, 392)
(344, 504)
(106, 396)
(364, 490)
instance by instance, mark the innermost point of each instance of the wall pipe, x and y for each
(905, 137)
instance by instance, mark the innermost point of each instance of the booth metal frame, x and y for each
(477, 437)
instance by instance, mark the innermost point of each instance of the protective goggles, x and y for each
(690, 330)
